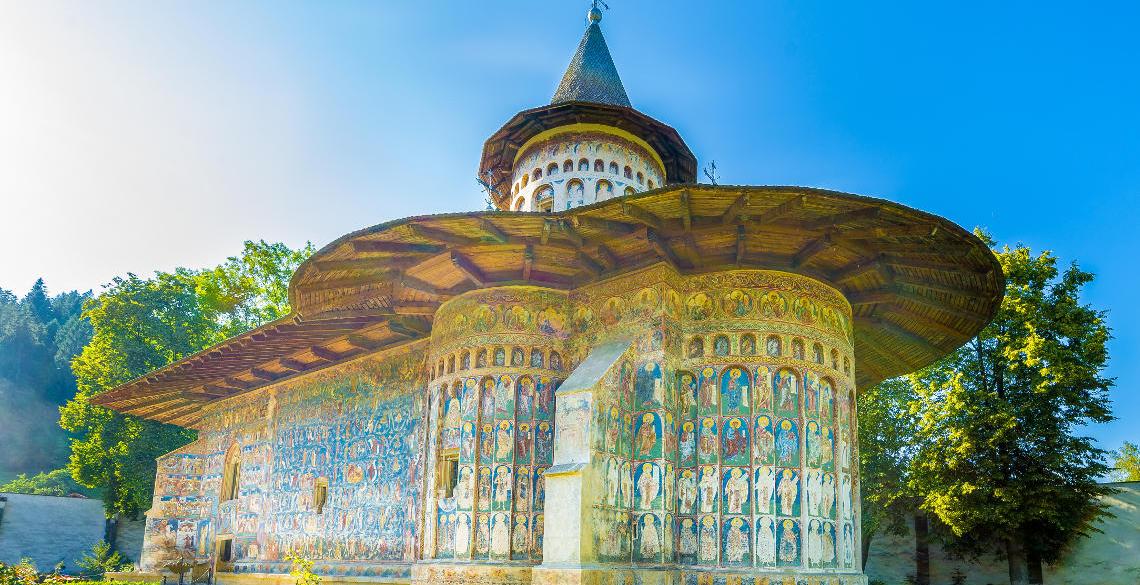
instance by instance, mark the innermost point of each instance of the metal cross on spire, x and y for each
(595, 13)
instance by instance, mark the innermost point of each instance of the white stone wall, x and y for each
(1106, 558)
(540, 172)
(50, 529)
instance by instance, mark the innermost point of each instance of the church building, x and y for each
(618, 376)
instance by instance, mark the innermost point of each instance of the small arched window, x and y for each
(650, 183)
(519, 203)
(640, 178)
(574, 192)
(603, 190)
(552, 169)
(817, 353)
(583, 165)
(697, 347)
(772, 346)
(613, 168)
(628, 172)
(516, 188)
(543, 198)
(599, 166)
(537, 174)
(465, 361)
(629, 191)
(798, 348)
(526, 179)
(567, 166)
(834, 359)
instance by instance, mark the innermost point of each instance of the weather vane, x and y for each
(595, 13)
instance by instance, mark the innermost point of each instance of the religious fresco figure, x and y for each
(648, 386)
(787, 493)
(487, 443)
(687, 387)
(556, 361)
(536, 358)
(763, 439)
(707, 444)
(649, 538)
(501, 492)
(648, 485)
(520, 539)
(707, 489)
(536, 541)
(544, 398)
(467, 443)
(798, 348)
(504, 442)
(707, 394)
(747, 344)
(613, 430)
(721, 346)
(522, 489)
(811, 395)
(539, 489)
(762, 395)
(787, 391)
(848, 546)
(518, 358)
(734, 390)
(462, 535)
(686, 492)
(737, 543)
(697, 348)
(826, 400)
(482, 534)
(648, 430)
(500, 357)
(827, 544)
(504, 398)
(765, 541)
(787, 444)
(500, 536)
(817, 353)
(735, 490)
(611, 483)
(481, 358)
(463, 490)
(813, 543)
(827, 448)
(543, 443)
(813, 443)
(626, 485)
(772, 346)
(709, 541)
(764, 487)
(788, 543)
(687, 541)
(524, 406)
(737, 303)
(523, 442)
(827, 495)
(734, 442)
(687, 444)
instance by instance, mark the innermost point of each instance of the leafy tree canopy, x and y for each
(143, 324)
(1126, 464)
(999, 455)
(52, 483)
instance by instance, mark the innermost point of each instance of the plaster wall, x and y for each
(1105, 558)
(581, 168)
(50, 530)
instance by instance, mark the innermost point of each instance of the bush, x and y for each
(101, 560)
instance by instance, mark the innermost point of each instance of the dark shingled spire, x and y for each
(591, 76)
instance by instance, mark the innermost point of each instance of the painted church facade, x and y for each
(621, 377)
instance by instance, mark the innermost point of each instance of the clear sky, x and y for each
(143, 135)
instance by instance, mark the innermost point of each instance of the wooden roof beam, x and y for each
(410, 308)
(264, 374)
(325, 353)
(812, 249)
(878, 232)
(660, 246)
(924, 322)
(735, 211)
(430, 233)
(414, 283)
(292, 364)
(741, 243)
(592, 265)
(607, 255)
(386, 264)
(353, 282)
(933, 304)
(613, 228)
(528, 261)
(855, 270)
(468, 269)
(686, 210)
(493, 230)
(571, 234)
(395, 247)
(364, 343)
(906, 334)
(641, 215)
(792, 204)
(842, 218)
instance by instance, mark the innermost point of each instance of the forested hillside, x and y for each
(39, 336)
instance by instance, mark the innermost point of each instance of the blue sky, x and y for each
(139, 136)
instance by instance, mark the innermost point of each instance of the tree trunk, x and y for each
(1036, 576)
(866, 545)
(1015, 555)
(921, 550)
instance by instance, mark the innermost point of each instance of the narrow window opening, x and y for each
(320, 494)
(449, 473)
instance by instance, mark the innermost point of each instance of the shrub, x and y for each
(302, 570)
(101, 559)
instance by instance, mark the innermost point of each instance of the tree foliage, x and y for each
(1126, 463)
(1000, 459)
(39, 335)
(886, 453)
(52, 483)
(143, 324)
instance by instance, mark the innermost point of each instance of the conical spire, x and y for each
(592, 76)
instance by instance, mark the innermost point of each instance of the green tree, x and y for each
(886, 452)
(53, 483)
(1000, 460)
(102, 559)
(143, 324)
(1126, 463)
